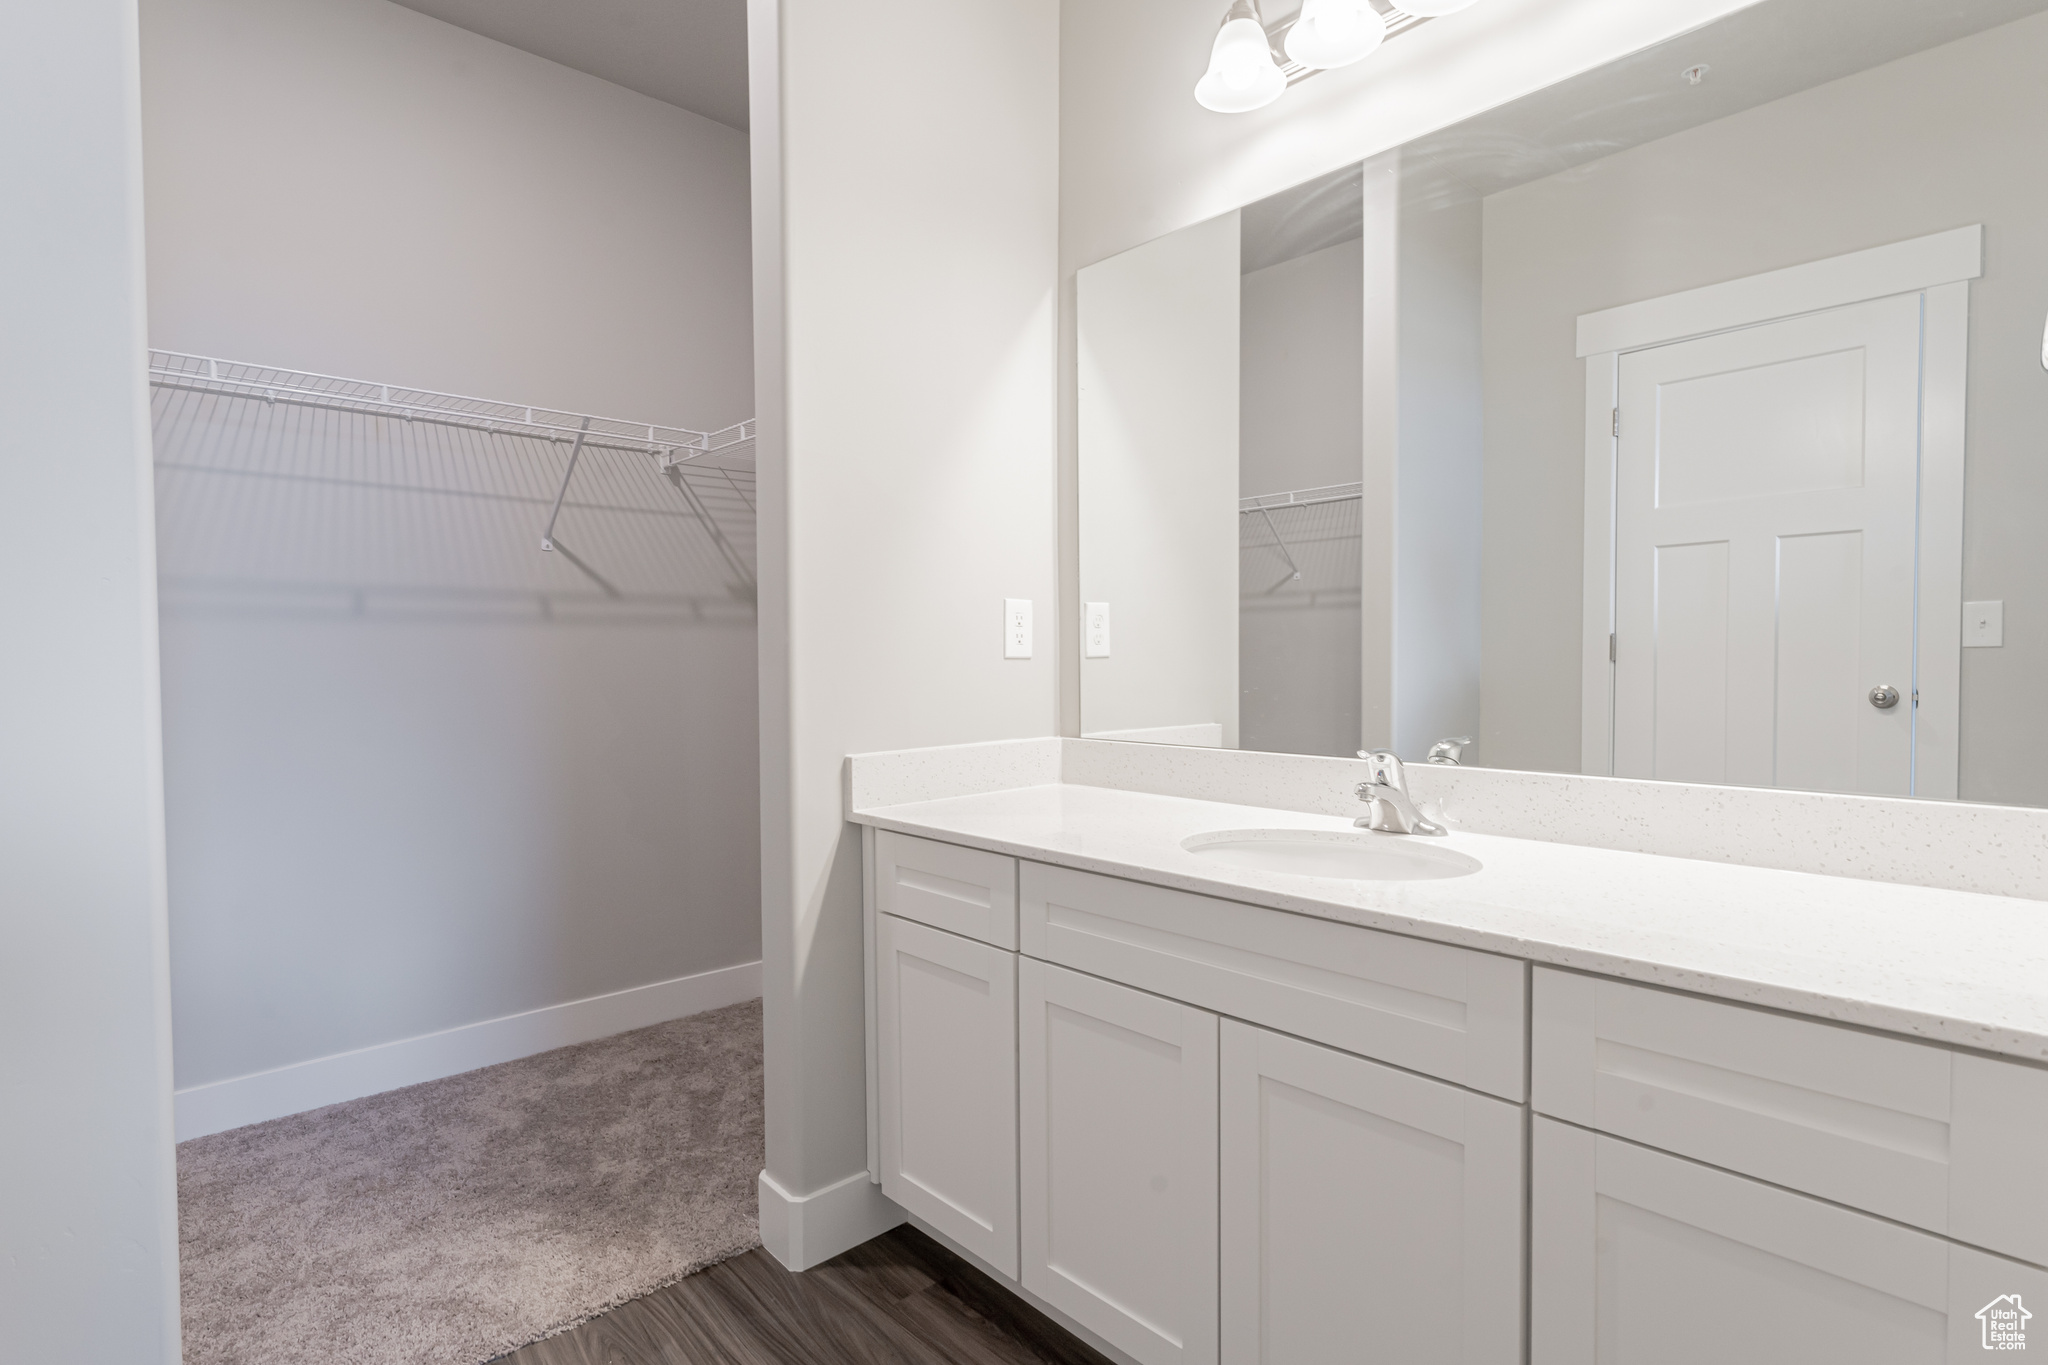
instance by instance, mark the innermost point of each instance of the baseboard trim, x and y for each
(242, 1100)
(803, 1230)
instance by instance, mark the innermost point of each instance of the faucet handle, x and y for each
(1386, 768)
(1449, 751)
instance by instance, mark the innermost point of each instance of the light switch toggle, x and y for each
(1983, 625)
(1016, 627)
(1095, 631)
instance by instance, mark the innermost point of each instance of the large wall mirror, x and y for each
(1687, 420)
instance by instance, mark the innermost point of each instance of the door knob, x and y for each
(1884, 698)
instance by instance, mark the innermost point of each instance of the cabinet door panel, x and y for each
(946, 1020)
(1367, 1213)
(1118, 1161)
(1640, 1257)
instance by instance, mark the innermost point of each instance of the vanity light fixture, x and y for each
(1333, 33)
(1251, 65)
(1242, 74)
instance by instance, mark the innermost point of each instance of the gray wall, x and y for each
(88, 1220)
(1944, 138)
(1299, 420)
(382, 824)
(905, 237)
(1301, 426)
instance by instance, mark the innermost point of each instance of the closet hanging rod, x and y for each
(235, 379)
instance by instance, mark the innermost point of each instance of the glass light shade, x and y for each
(1335, 32)
(1242, 74)
(1431, 9)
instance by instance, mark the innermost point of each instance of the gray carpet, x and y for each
(451, 1222)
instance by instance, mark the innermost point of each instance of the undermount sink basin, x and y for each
(1360, 857)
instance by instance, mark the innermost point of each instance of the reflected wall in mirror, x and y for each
(1686, 420)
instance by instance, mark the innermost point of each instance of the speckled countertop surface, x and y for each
(1951, 966)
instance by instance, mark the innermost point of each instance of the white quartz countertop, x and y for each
(1955, 967)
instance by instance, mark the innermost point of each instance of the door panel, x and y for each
(1118, 1171)
(1765, 518)
(1364, 1205)
(946, 1026)
(1692, 661)
(1787, 426)
(1819, 649)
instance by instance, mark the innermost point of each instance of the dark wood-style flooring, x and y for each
(901, 1299)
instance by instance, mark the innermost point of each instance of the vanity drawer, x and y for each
(1941, 1140)
(1447, 1012)
(961, 890)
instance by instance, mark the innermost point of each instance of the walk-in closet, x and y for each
(451, 400)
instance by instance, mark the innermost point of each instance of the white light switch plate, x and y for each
(1983, 625)
(1095, 631)
(1016, 627)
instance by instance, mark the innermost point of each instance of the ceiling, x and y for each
(689, 53)
(1762, 53)
(1766, 52)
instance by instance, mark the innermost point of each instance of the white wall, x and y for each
(385, 825)
(1139, 158)
(1933, 141)
(905, 249)
(1159, 401)
(88, 1219)
(1440, 484)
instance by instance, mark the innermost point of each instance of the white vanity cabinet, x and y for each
(1214, 1133)
(1942, 1140)
(1738, 1184)
(1643, 1258)
(1367, 1213)
(1118, 1152)
(945, 1020)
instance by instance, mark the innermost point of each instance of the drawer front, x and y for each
(1907, 1130)
(1444, 1011)
(961, 890)
(1639, 1258)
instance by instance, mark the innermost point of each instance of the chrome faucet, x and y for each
(1449, 752)
(1392, 811)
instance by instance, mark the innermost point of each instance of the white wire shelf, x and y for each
(278, 487)
(1301, 497)
(205, 374)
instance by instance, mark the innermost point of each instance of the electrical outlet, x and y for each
(1983, 625)
(1016, 627)
(1095, 631)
